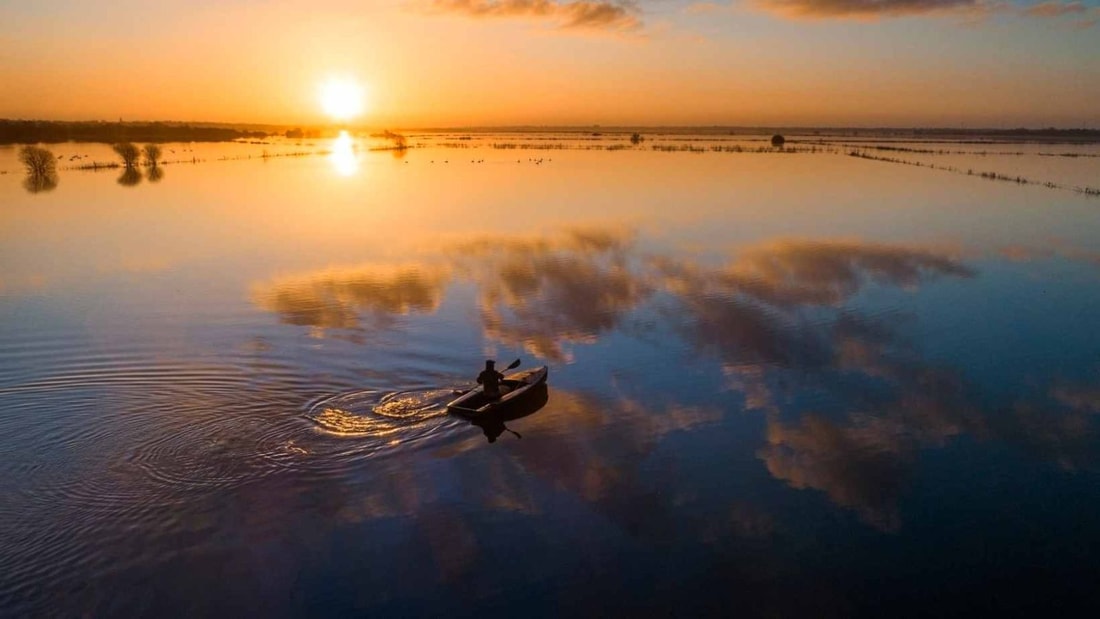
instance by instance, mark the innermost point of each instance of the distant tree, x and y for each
(41, 168)
(294, 134)
(399, 141)
(155, 174)
(129, 154)
(38, 161)
(152, 154)
(778, 141)
(636, 139)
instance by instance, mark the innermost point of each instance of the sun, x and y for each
(342, 98)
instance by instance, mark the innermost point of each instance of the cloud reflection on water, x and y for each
(849, 403)
(545, 293)
(344, 298)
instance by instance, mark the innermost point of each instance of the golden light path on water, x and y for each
(344, 158)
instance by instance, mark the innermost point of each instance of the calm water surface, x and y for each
(780, 383)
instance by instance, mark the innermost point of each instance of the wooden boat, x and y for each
(513, 389)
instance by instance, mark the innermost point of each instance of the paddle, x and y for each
(511, 366)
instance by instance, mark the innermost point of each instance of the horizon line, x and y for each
(573, 126)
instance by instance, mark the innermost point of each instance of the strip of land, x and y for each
(52, 131)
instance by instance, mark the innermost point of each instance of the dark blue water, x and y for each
(780, 384)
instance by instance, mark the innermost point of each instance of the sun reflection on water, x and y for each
(344, 158)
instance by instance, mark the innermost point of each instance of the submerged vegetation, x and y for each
(993, 176)
(41, 167)
(152, 154)
(398, 142)
(38, 161)
(128, 153)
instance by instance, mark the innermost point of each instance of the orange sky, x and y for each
(503, 62)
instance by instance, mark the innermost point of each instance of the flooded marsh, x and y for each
(781, 380)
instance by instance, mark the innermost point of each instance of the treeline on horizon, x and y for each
(52, 132)
(1024, 133)
(55, 131)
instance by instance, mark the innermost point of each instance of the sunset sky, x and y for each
(430, 63)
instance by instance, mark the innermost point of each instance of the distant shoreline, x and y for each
(52, 132)
(55, 132)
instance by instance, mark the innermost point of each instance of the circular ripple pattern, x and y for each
(123, 443)
(377, 420)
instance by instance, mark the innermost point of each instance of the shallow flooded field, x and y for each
(780, 382)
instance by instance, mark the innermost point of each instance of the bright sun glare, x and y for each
(342, 99)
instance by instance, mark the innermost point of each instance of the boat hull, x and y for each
(475, 402)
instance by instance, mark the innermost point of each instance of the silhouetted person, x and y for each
(490, 378)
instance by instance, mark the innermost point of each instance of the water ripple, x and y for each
(379, 420)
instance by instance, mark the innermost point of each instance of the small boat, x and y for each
(513, 389)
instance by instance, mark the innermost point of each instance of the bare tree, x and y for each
(778, 141)
(38, 161)
(129, 154)
(636, 139)
(399, 141)
(152, 154)
(41, 169)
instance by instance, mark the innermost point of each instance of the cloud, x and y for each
(614, 15)
(969, 11)
(1054, 9)
(704, 8)
(866, 8)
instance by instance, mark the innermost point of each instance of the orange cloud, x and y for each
(619, 15)
(865, 8)
(1054, 9)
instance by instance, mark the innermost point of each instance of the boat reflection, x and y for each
(492, 423)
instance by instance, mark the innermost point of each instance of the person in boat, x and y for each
(490, 379)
